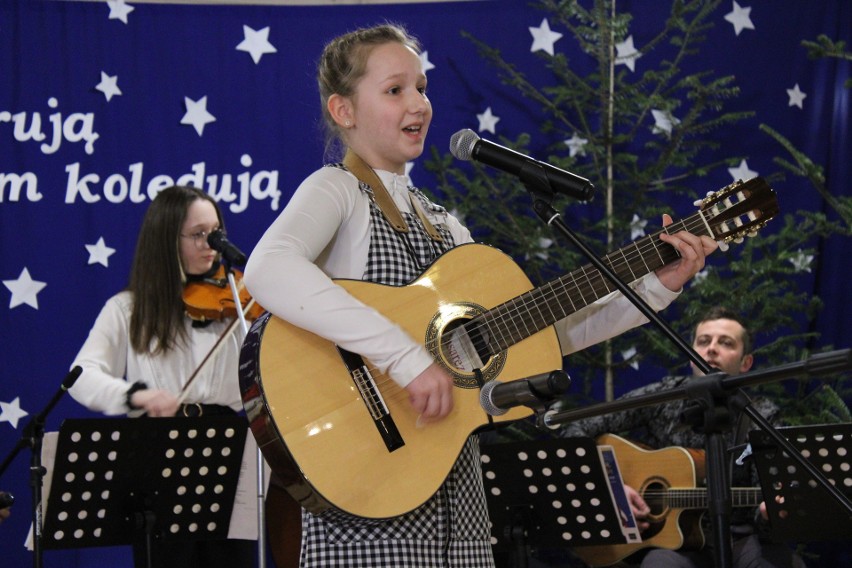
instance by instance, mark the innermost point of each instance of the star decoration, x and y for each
(488, 121)
(196, 114)
(629, 354)
(100, 253)
(425, 63)
(576, 145)
(742, 172)
(11, 412)
(637, 227)
(664, 122)
(740, 19)
(544, 244)
(256, 43)
(118, 10)
(543, 38)
(24, 290)
(702, 275)
(797, 97)
(626, 54)
(108, 86)
(801, 262)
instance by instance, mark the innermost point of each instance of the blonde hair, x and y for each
(344, 61)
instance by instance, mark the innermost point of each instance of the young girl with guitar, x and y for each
(363, 220)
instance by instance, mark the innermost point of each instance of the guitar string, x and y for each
(590, 282)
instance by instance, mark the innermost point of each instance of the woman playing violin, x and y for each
(144, 347)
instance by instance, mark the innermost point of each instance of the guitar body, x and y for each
(641, 469)
(313, 424)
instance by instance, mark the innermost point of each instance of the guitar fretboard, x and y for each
(696, 498)
(529, 313)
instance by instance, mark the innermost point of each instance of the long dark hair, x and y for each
(156, 277)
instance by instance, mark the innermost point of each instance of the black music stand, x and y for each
(808, 512)
(123, 481)
(549, 493)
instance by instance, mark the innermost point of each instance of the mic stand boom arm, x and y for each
(819, 364)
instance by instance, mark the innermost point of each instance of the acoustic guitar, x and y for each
(666, 479)
(340, 434)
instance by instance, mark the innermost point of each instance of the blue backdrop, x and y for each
(104, 103)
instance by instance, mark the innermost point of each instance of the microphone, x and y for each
(229, 251)
(497, 398)
(466, 145)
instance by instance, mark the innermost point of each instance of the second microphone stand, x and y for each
(261, 477)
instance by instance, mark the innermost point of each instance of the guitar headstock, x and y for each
(739, 210)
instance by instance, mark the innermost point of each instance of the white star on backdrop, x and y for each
(118, 10)
(544, 244)
(99, 252)
(663, 122)
(742, 172)
(702, 275)
(637, 227)
(488, 121)
(256, 43)
(425, 63)
(626, 54)
(576, 145)
(196, 114)
(630, 354)
(543, 38)
(11, 412)
(24, 290)
(796, 97)
(740, 19)
(801, 262)
(108, 86)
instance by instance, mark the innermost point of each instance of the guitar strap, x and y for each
(361, 170)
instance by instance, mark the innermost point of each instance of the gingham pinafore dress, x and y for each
(452, 527)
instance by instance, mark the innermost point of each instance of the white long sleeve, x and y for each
(110, 365)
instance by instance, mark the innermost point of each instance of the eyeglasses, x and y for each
(200, 238)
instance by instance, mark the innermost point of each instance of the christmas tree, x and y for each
(644, 137)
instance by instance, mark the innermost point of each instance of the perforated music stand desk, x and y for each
(808, 512)
(122, 480)
(557, 489)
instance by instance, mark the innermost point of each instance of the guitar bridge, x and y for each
(373, 400)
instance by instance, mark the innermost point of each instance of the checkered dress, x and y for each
(452, 527)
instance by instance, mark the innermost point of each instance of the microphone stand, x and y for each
(33, 436)
(261, 497)
(716, 416)
(819, 364)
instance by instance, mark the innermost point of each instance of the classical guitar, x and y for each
(667, 480)
(341, 435)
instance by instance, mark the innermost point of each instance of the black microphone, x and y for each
(466, 145)
(497, 398)
(219, 242)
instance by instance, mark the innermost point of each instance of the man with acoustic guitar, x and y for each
(723, 340)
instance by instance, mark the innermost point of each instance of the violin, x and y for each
(212, 299)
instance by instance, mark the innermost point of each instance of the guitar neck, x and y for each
(696, 498)
(529, 313)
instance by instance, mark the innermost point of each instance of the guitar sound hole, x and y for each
(654, 495)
